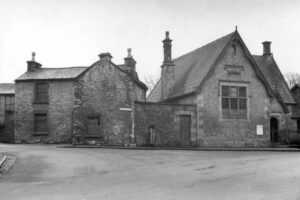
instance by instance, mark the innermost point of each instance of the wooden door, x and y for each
(185, 130)
(94, 125)
(274, 130)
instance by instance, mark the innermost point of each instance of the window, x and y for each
(40, 123)
(9, 103)
(41, 92)
(234, 102)
(94, 125)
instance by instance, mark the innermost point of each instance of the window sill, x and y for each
(233, 120)
(40, 102)
(40, 134)
(9, 111)
(93, 136)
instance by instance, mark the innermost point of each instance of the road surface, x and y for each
(46, 172)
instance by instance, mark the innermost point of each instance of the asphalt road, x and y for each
(46, 172)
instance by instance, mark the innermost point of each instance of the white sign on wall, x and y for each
(259, 129)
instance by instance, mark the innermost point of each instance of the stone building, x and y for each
(7, 96)
(219, 95)
(104, 95)
(56, 104)
(296, 109)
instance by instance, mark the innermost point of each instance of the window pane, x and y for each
(225, 91)
(41, 123)
(242, 91)
(225, 113)
(243, 104)
(234, 103)
(225, 103)
(233, 91)
(94, 120)
(41, 92)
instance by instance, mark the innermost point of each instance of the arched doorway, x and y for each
(274, 131)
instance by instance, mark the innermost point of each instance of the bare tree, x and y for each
(292, 79)
(150, 81)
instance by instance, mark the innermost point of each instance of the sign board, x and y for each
(259, 130)
(126, 109)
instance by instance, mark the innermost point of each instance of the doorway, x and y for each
(185, 130)
(274, 131)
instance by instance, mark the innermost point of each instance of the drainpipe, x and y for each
(132, 125)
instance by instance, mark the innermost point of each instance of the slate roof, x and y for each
(191, 68)
(52, 73)
(7, 88)
(274, 77)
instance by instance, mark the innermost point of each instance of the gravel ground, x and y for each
(47, 172)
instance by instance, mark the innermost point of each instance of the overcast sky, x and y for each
(66, 33)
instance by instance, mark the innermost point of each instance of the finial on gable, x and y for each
(236, 28)
(33, 56)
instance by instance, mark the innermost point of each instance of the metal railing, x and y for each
(289, 137)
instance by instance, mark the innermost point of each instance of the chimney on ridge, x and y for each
(105, 57)
(32, 65)
(267, 48)
(130, 63)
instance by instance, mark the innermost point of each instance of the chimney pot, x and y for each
(33, 56)
(267, 48)
(129, 53)
(167, 35)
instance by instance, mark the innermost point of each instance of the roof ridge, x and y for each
(214, 41)
(64, 67)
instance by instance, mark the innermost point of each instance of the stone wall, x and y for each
(165, 118)
(215, 131)
(59, 112)
(104, 90)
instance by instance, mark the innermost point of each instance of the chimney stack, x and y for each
(167, 48)
(32, 65)
(105, 57)
(130, 63)
(267, 48)
(167, 69)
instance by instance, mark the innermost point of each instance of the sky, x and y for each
(66, 33)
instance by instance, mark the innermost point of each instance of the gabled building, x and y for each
(76, 103)
(7, 102)
(240, 100)
(296, 109)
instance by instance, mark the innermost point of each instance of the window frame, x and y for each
(247, 97)
(39, 101)
(38, 132)
(11, 105)
(101, 121)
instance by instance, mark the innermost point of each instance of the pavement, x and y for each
(50, 173)
(276, 149)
